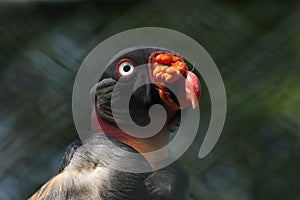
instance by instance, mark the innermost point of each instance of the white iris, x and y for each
(126, 68)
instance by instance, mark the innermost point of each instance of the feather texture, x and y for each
(85, 174)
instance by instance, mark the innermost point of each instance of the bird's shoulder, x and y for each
(69, 152)
(171, 182)
(85, 173)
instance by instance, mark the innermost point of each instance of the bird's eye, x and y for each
(125, 67)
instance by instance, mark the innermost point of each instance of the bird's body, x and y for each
(82, 177)
(89, 168)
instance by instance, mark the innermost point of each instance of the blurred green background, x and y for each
(255, 44)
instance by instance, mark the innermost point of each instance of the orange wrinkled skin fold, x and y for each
(168, 68)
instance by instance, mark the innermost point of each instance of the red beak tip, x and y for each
(193, 89)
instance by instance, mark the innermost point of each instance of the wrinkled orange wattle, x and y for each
(164, 69)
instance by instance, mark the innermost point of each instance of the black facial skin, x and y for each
(142, 98)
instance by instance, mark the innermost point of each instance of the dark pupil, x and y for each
(126, 68)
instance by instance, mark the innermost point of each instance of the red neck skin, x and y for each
(141, 145)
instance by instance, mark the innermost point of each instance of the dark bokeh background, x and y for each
(255, 44)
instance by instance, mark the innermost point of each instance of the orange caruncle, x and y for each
(168, 68)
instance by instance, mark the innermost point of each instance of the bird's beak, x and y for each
(192, 88)
(166, 69)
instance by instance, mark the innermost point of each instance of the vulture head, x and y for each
(146, 76)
